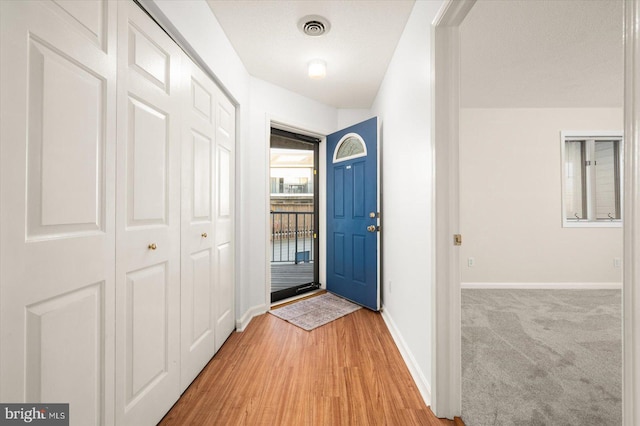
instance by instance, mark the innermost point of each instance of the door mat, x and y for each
(315, 311)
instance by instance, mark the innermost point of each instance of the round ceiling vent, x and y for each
(314, 25)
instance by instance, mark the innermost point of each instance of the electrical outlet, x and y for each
(471, 262)
(617, 262)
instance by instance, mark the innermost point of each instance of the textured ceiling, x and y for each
(357, 49)
(542, 53)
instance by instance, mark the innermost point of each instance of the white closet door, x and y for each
(224, 191)
(58, 92)
(147, 220)
(198, 180)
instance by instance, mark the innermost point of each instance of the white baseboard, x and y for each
(544, 286)
(254, 311)
(416, 373)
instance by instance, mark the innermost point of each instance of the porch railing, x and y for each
(292, 237)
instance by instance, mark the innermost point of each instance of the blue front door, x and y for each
(352, 213)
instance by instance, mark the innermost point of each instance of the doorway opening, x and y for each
(293, 220)
(446, 380)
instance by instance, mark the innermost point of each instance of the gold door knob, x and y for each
(153, 246)
(371, 228)
(204, 235)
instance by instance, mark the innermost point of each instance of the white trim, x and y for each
(542, 286)
(267, 217)
(616, 223)
(631, 230)
(416, 373)
(379, 207)
(445, 301)
(597, 134)
(351, 157)
(254, 311)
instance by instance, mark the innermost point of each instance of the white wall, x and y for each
(350, 116)
(403, 104)
(510, 199)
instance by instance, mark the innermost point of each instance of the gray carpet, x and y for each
(541, 357)
(315, 311)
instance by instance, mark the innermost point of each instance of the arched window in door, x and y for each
(349, 147)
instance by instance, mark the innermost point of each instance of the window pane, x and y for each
(291, 171)
(574, 188)
(607, 180)
(350, 147)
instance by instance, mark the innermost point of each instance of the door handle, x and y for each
(373, 228)
(203, 235)
(153, 246)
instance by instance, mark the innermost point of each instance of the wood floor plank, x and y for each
(348, 372)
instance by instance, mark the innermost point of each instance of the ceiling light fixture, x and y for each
(317, 69)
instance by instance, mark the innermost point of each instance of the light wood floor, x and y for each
(348, 372)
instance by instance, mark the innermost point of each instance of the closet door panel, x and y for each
(147, 165)
(224, 219)
(75, 319)
(147, 220)
(146, 328)
(57, 183)
(198, 233)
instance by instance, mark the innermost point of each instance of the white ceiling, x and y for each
(515, 53)
(357, 48)
(542, 53)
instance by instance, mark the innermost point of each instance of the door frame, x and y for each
(631, 226)
(309, 146)
(283, 124)
(446, 308)
(446, 395)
